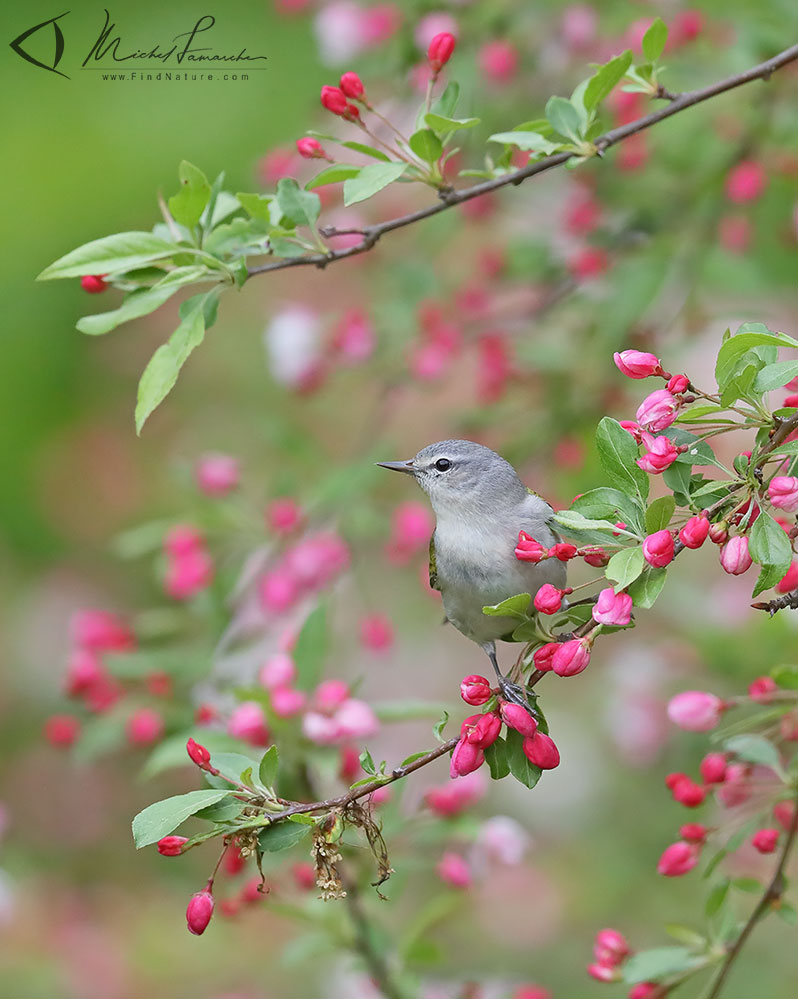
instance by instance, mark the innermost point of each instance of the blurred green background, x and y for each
(83, 158)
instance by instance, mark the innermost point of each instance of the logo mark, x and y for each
(16, 45)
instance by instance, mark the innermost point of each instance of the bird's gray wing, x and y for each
(433, 565)
(538, 513)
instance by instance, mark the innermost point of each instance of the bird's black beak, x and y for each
(398, 466)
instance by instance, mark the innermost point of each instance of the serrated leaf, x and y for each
(564, 118)
(653, 43)
(520, 767)
(311, 648)
(300, 206)
(282, 836)
(161, 373)
(110, 255)
(618, 453)
(188, 204)
(496, 757)
(605, 79)
(370, 180)
(426, 144)
(162, 817)
(515, 606)
(267, 770)
(625, 566)
(141, 302)
(333, 175)
(659, 514)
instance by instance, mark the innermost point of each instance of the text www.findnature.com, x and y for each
(174, 76)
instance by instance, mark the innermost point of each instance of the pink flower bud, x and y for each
(595, 556)
(695, 710)
(217, 474)
(518, 718)
(548, 599)
(183, 540)
(693, 832)
(789, 581)
(686, 792)
(354, 338)
(783, 492)
(304, 875)
(85, 671)
(658, 548)
(205, 714)
(287, 702)
(482, 730)
(671, 780)
(544, 656)
(637, 363)
(646, 990)
(283, 515)
(783, 813)
(660, 454)
(93, 283)
(453, 870)
(603, 972)
(498, 61)
(745, 182)
(695, 531)
(248, 722)
(765, 840)
(713, 768)
(330, 695)
(198, 754)
(466, 757)
(278, 591)
(310, 149)
(440, 50)
(475, 689)
(334, 99)
(761, 689)
(352, 85)
(587, 263)
(531, 992)
(101, 631)
(719, 533)
(657, 411)
(278, 671)
(144, 727)
(529, 550)
(734, 556)
(356, 720)
(171, 846)
(678, 384)
(632, 428)
(62, 731)
(562, 551)
(188, 575)
(376, 632)
(736, 788)
(611, 947)
(571, 657)
(541, 752)
(199, 912)
(455, 797)
(678, 859)
(612, 608)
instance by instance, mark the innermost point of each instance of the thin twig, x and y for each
(772, 894)
(679, 103)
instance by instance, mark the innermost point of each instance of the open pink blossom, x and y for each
(657, 411)
(660, 454)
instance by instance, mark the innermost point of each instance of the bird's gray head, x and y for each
(463, 477)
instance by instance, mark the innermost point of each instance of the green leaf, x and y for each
(282, 836)
(257, 206)
(160, 818)
(572, 520)
(300, 206)
(426, 145)
(496, 756)
(698, 452)
(618, 453)
(605, 503)
(447, 102)
(515, 606)
(370, 180)
(443, 125)
(564, 118)
(141, 302)
(754, 749)
(232, 765)
(529, 141)
(734, 347)
(311, 648)
(717, 897)
(647, 587)
(519, 765)
(686, 935)
(110, 255)
(333, 175)
(659, 962)
(787, 912)
(164, 367)
(189, 203)
(360, 147)
(659, 514)
(677, 479)
(770, 547)
(773, 376)
(267, 771)
(654, 40)
(605, 79)
(749, 885)
(439, 726)
(226, 810)
(625, 566)
(786, 676)
(367, 763)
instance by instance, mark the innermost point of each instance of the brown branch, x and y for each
(771, 895)
(449, 198)
(788, 601)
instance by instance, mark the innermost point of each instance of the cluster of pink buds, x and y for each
(304, 568)
(564, 658)
(189, 566)
(334, 716)
(610, 950)
(336, 100)
(479, 732)
(530, 550)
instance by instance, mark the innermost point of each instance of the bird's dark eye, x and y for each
(443, 464)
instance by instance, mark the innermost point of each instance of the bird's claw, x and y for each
(515, 694)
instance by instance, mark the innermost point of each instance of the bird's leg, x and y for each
(512, 692)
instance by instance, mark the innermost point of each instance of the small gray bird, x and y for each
(480, 506)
